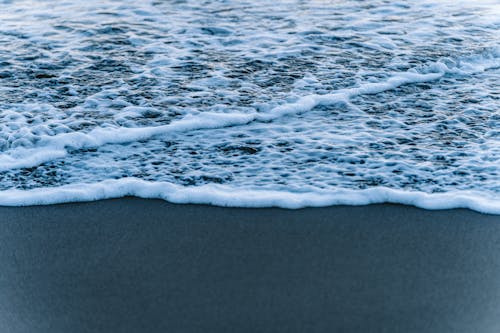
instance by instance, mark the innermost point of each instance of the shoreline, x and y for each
(228, 196)
(147, 265)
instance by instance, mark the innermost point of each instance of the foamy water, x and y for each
(251, 103)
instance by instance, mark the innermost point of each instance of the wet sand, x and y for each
(135, 265)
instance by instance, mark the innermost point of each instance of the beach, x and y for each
(249, 166)
(137, 265)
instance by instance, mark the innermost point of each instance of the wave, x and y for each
(227, 196)
(50, 147)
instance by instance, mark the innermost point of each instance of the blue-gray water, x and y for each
(291, 96)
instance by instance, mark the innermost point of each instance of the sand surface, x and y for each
(134, 265)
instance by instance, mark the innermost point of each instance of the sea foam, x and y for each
(52, 147)
(228, 196)
(259, 103)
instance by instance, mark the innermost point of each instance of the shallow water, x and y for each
(284, 96)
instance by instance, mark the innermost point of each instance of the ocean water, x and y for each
(251, 103)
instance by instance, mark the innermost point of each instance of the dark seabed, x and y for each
(134, 265)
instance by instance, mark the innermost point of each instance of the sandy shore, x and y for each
(134, 265)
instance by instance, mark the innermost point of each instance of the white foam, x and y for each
(50, 147)
(227, 196)
(57, 146)
(320, 98)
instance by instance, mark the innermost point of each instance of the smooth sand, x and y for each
(134, 265)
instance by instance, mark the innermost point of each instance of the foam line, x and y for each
(57, 146)
(224, 195)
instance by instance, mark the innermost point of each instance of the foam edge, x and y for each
(227, 196)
